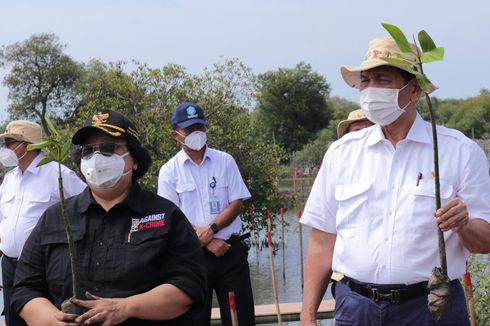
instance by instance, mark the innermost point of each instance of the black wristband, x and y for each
(214, 228)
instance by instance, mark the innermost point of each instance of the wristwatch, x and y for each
(214, 228)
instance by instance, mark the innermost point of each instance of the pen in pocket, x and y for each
(418, 179)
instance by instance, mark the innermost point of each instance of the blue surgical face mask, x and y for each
(380, 105)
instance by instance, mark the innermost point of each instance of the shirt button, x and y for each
(96, 289)
(97, 264)
(386, 239)
(101, 243)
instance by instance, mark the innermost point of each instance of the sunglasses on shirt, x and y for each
(104, 148)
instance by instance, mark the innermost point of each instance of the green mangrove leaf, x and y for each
(424, 83)
(396, 55)
(433, 55)
(426, 42)
(55, 152)
(399, 61)
(40, 145)
(399, 37)
(51, 127)
(46, 160)
(65, 150)
(414, 70)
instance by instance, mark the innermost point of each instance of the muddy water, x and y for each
(289, 288)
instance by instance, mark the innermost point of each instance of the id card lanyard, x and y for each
(213, 199)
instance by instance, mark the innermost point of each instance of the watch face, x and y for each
(214, 228)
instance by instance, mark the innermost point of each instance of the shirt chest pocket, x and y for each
(426, 188)
(6, 202)
(57, 256)
(187, 194)
(150, 234)
(7, 197)
(144, 251)
(423, 196)
(352, 200)
(37, 201)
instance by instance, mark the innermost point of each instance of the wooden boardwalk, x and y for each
(289, 311)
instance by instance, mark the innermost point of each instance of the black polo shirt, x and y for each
(137, 245)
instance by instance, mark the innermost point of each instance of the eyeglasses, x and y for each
(104, 148)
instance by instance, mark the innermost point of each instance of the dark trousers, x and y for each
(353, 309)
(8, 273)
(229, 272)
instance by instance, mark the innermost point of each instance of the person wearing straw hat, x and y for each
(139, 260)
(355, 121)
(207, 185)
(372, 206)
(26, 192)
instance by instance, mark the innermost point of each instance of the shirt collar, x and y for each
(374, 136)
(417, 133)
(133, 200)
(182, 156)
(33, 168)
(84, 200)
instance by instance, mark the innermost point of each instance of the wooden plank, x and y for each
(289, 312)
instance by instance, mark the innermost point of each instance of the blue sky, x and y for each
(264, 34)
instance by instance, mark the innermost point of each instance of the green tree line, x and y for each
(259, 119)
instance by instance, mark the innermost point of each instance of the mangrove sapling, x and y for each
(57, 148)
(439, 281)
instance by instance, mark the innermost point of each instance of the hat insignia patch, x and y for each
(191, 112)
(99, 118)
(377, 54)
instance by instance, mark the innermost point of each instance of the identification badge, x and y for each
(214, 205)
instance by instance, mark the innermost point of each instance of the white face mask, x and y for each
(102, 171)
(195, 140)
(8, 156)
(380, 105)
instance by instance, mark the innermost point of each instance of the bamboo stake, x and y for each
(233, 312)
(469, 298)
(273, 273)
(254, 235)
(295, 180)
(301, 250)
(282, 240)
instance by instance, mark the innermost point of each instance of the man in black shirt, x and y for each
(139, 260)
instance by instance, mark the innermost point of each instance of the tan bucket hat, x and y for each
(354, 116)
(23, 130)
(382, 47)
